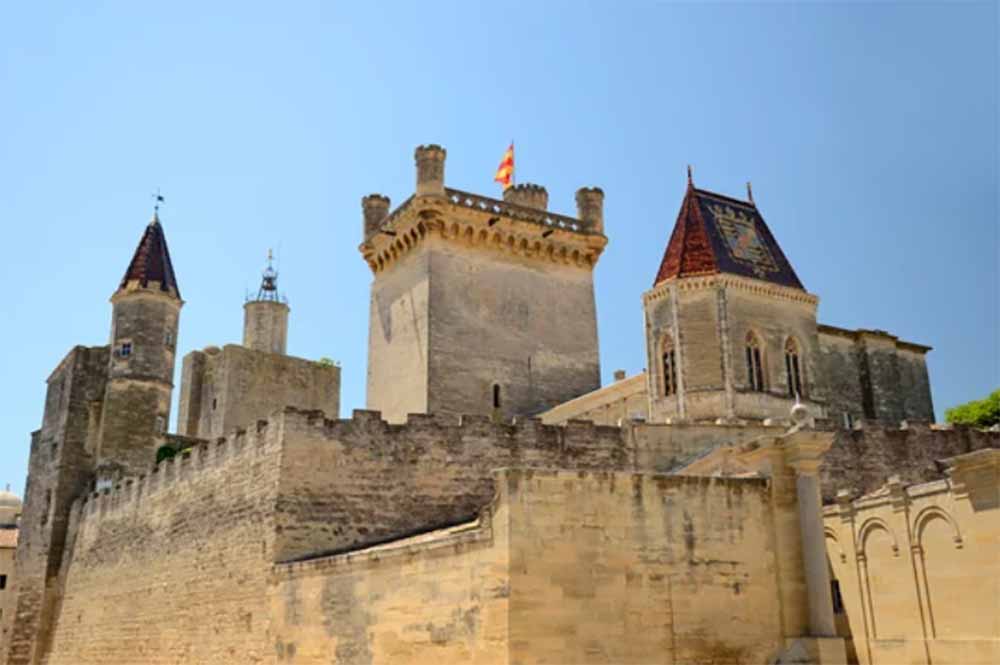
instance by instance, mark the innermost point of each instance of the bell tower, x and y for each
(265, 317)
(145, 312)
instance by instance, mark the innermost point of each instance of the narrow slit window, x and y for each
(496, 396)
(793, 370)
(669, 368)
(755, 364)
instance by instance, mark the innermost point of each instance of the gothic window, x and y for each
(755, 364)
(669, 368)
(793, 371)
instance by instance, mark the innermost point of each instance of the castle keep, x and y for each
(494, 503)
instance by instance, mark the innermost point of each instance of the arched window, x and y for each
(669, 368)
(755, 364)
(793, 371)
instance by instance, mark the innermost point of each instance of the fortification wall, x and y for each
(223, 389)
(172, 567)
(861, 460)
(440, 597)
(60, 468)
(567, 567)
(350, 483)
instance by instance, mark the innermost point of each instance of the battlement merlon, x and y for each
(505, 225)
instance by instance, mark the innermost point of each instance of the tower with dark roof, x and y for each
(731, 332)
(146, 308)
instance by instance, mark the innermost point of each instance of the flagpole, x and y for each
(513, 168)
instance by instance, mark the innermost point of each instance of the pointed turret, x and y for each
(151, 266)
(719, 234)
(146, 311)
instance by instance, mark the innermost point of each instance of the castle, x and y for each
(494, 503)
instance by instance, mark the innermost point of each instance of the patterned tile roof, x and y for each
(151, 261)
(715, 233)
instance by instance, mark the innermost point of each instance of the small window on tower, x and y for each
(160, 424)
(3, 581)
(168, 337)
(669, 368)
(755, 364)
(496, 396)
(126, 350)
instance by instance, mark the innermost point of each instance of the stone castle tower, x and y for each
(106, 412)
(479, 305)
(265, 317)
(731, 332)
(146, 308)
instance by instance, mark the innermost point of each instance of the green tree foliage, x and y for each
(164, 452)
(977, 413)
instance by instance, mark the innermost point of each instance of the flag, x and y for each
(505, 172)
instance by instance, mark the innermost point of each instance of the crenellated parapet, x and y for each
(190, 464)
(479, 221)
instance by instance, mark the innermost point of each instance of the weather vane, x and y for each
(158, 199)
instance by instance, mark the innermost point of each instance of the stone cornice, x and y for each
(716, 280)
(474, 220)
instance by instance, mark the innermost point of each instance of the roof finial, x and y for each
(157, 200)
(750, 194)
(690, 179)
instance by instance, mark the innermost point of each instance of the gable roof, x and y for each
(151, 261)
(716, 234)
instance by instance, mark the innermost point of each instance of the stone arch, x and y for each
(832, 535)
(935, 512)
(872, 524)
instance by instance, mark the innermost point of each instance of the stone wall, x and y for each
(352, 483)
(635, 568)
(440, 597)
(223, 389)
(619, 402)
(875, 376)
(861, 459)
(566, 567)
(60, 469)
(172, 567)
(398, 346)
(523, 327)
(709, 320)
(917, 566)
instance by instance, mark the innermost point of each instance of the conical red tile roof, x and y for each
(151, 261)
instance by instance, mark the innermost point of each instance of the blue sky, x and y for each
(869, 132)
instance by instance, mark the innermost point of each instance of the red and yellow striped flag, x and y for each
(505, 172)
